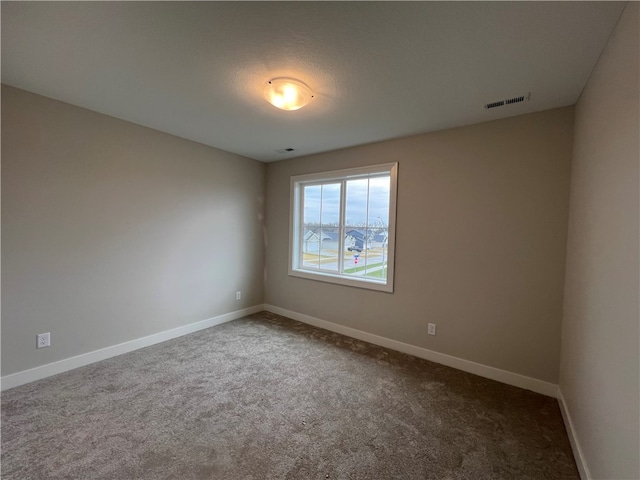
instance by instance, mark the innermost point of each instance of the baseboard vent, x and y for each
(508, 101)
(494, 104)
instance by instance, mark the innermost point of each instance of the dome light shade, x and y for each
(287, 93)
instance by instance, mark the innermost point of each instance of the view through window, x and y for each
(343, 226)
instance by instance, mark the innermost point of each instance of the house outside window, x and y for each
(342, 226)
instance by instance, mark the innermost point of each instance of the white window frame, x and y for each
(296, 218)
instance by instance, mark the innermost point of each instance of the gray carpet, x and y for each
(266, 397)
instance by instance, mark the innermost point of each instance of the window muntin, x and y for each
(343, 226)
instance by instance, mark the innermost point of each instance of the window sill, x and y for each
(367, 284)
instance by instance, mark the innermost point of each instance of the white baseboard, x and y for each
(573, 438)
(503, 376)
(510, 378)
(37, 373)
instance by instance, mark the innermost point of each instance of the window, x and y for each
(343, 226)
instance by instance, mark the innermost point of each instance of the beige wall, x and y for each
(600, 357)
(480, 244)
(112, 231)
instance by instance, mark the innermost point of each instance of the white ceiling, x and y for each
(379, 70)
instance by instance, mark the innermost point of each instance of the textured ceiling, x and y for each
(379, 70)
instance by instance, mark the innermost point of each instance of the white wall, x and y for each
(112, 231)
(600, 357)
(480, 243)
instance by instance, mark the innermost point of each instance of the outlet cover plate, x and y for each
(431, 328)
(43, 340)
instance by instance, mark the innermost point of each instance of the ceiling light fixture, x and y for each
(287, 93)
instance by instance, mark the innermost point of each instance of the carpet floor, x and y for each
(266, 397)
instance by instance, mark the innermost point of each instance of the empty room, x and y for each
(320, 240)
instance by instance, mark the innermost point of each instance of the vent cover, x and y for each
(509, 101)
(494, 104)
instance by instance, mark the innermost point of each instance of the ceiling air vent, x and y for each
(508, 101)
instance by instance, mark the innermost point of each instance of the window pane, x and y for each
(371, 263)
(330, 221)
(312, 205)
(356, 203)
(378, 223)
(377, 261)
(355, 227)
(310, 248)
(379, 189)
(330, 204)
(329, 241)
(312, 198)
(354, 264)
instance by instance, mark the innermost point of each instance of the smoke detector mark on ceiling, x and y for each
(509, 101)
(285, 150)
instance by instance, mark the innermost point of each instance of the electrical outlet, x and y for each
(44, 340)
(431, 328)
(238, 295)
